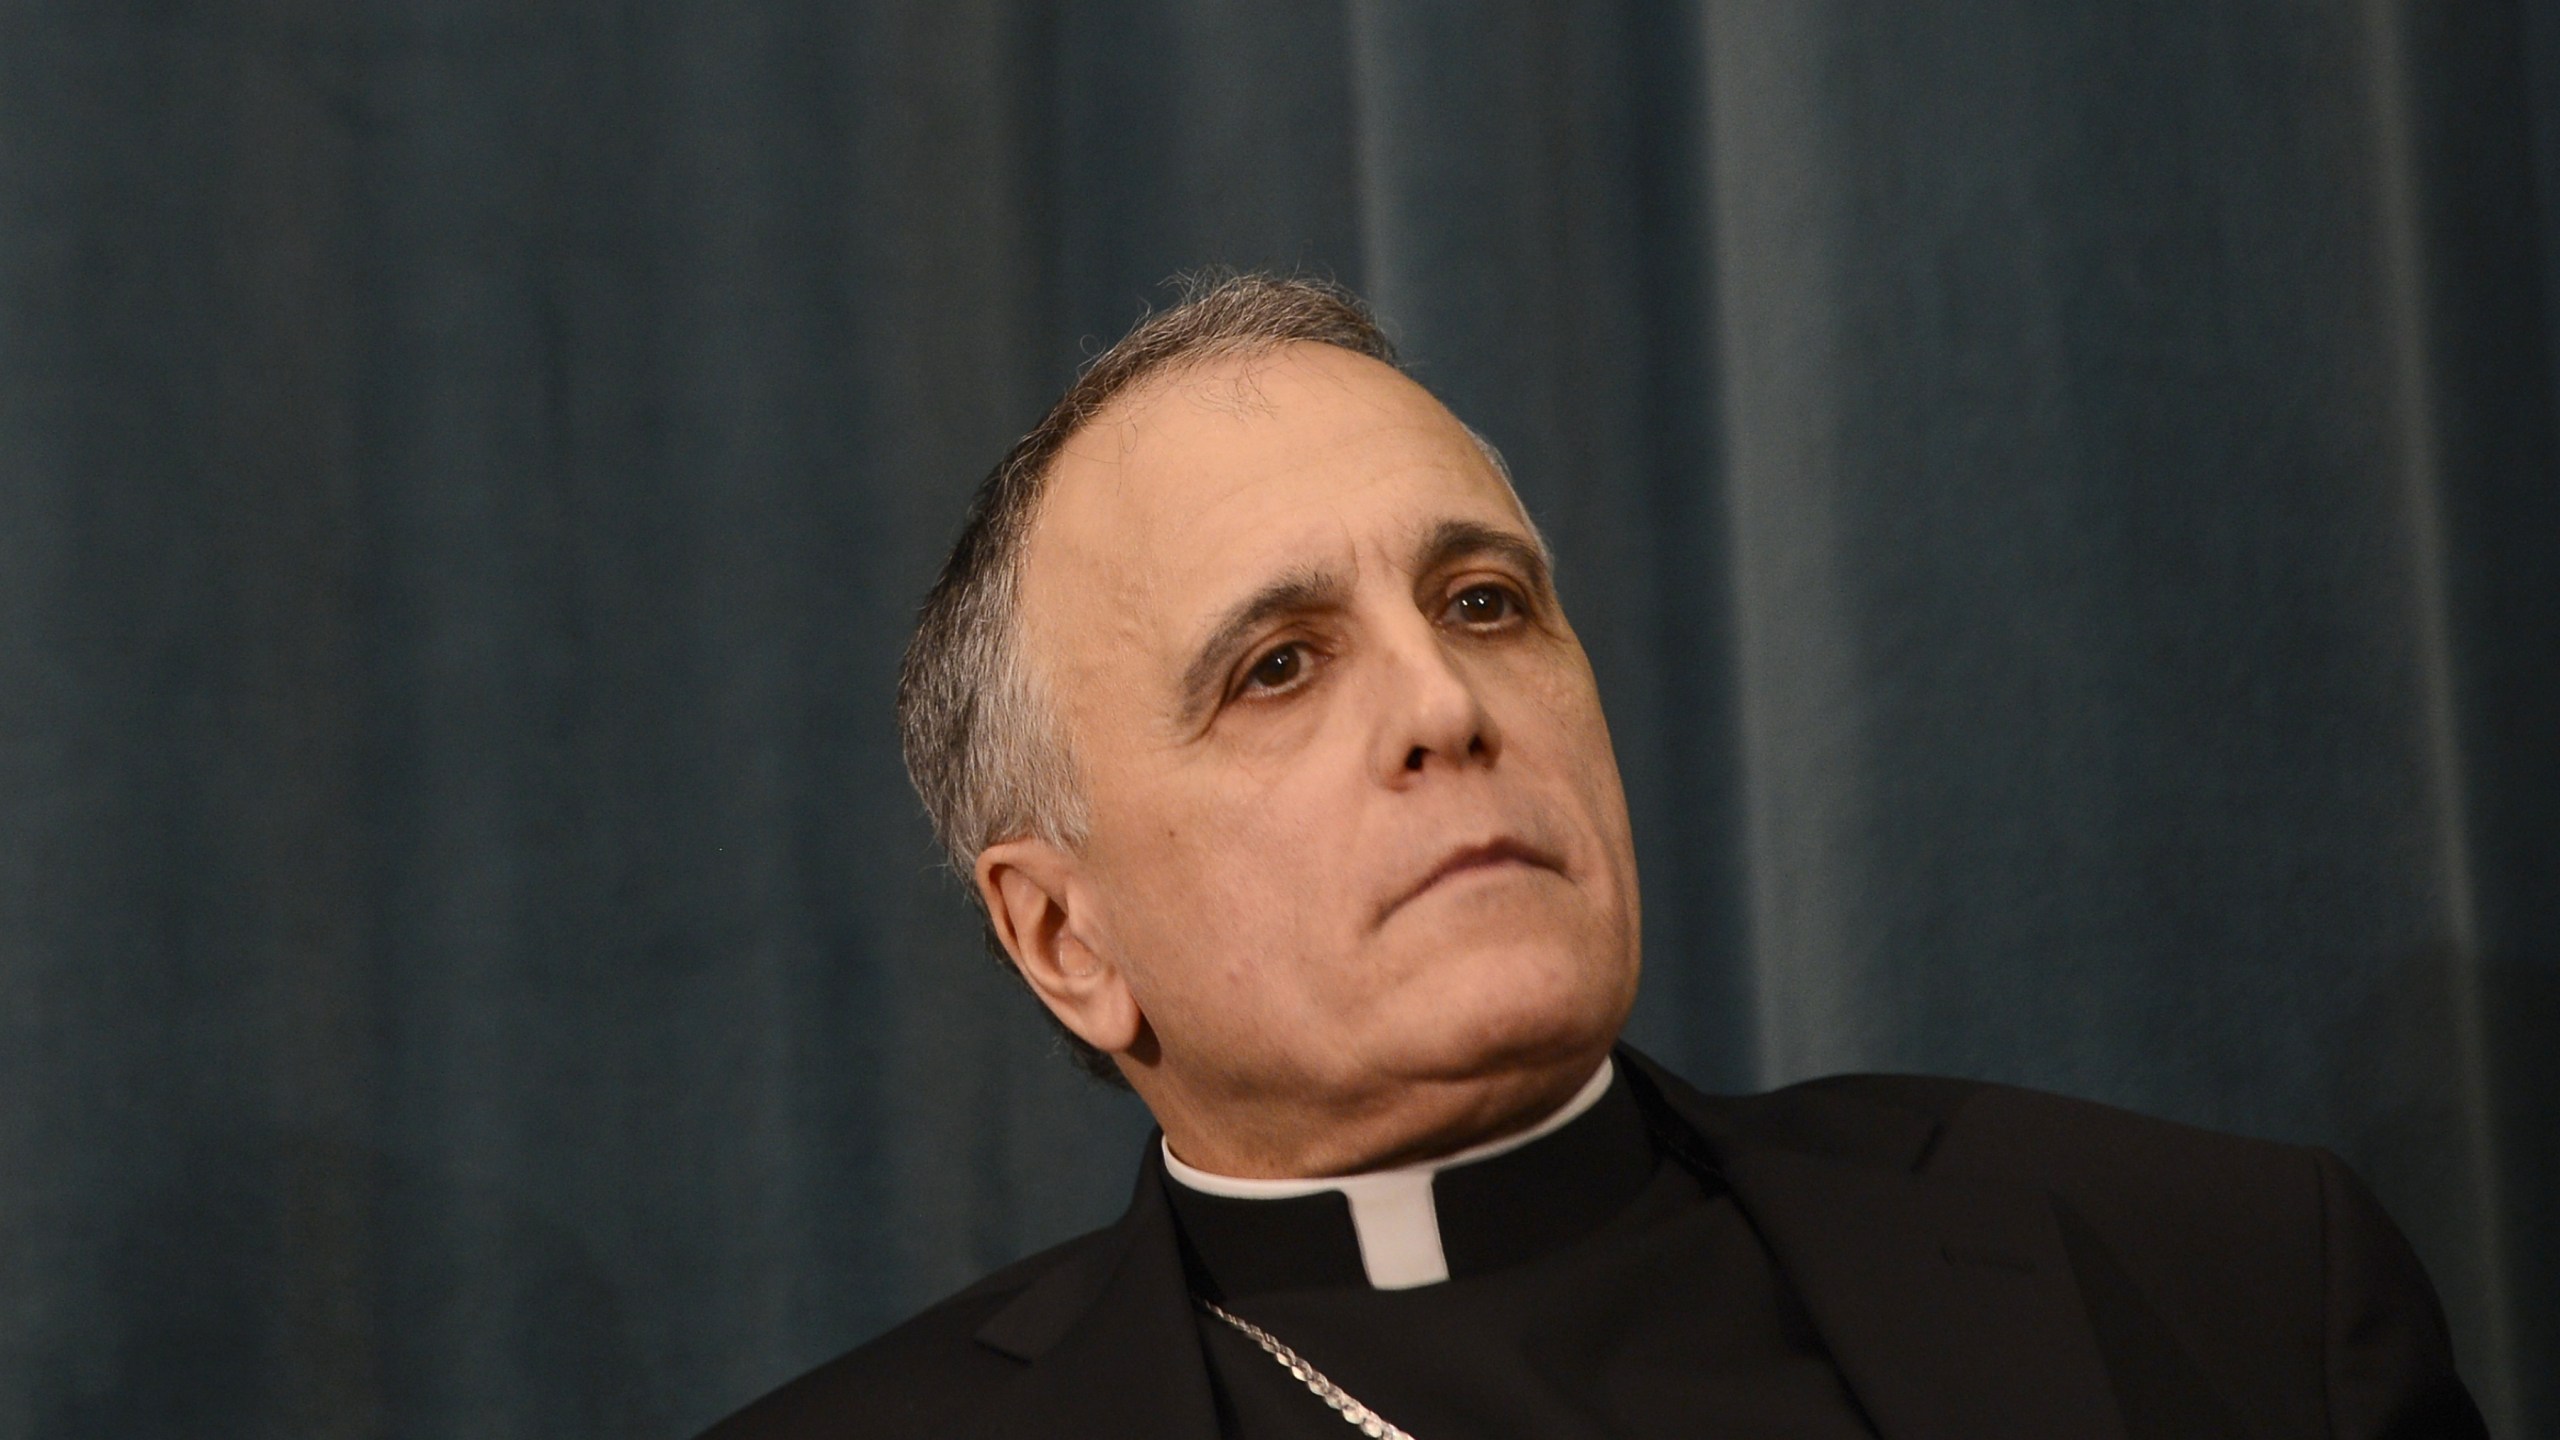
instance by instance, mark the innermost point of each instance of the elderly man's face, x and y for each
(1359, 857)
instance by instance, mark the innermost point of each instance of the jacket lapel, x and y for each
(1111, 1343)
(1950, 1308)
(1949, 1305)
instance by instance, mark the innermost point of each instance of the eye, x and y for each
(1278, 670)
(1483, 605)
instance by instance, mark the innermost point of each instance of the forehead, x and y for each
(1199, 484)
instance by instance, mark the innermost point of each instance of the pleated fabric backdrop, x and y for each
(2061, 497)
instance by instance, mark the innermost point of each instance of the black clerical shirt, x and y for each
(1598, 1286)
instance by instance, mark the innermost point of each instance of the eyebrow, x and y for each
(1454, 540)
(1298, 592)
(1305, 591)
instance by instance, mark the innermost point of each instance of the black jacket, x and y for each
(1980, 1261)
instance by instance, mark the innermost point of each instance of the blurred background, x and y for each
(2061, 497)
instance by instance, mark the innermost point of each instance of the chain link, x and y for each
(1369, 1422)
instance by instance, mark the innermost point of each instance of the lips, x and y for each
(1503, 850)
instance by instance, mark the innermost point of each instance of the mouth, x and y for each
(1501, 853)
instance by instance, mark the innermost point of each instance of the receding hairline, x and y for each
(1253, 356)
(1156, 388)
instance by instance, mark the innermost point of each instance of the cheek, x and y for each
(1267, 821)
(1221, 886)
(1563, 740)
(1562, 726)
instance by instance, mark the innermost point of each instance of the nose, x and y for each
(1430, 711)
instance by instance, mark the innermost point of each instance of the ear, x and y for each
(1044, 913)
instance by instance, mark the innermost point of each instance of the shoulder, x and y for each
(2006, 1132)
(2142, 1183)
(2260, 1256)
(2203, 1222)
(918, 1378)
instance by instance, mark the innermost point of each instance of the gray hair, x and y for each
(983, 747)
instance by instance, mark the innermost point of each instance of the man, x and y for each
(1247, 703)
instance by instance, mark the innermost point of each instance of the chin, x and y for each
(1524, 1003)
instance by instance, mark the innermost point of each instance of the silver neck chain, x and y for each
(1369, 1422)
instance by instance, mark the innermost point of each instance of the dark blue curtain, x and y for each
(2062, 498)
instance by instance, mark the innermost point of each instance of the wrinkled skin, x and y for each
(1365, 892)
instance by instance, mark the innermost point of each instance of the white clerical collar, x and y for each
(1391, 1210)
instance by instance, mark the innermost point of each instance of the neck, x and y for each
(1429, 1125)
(1245, 1187)
(1479, 1209)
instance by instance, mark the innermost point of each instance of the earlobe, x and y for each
(1044, 914)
